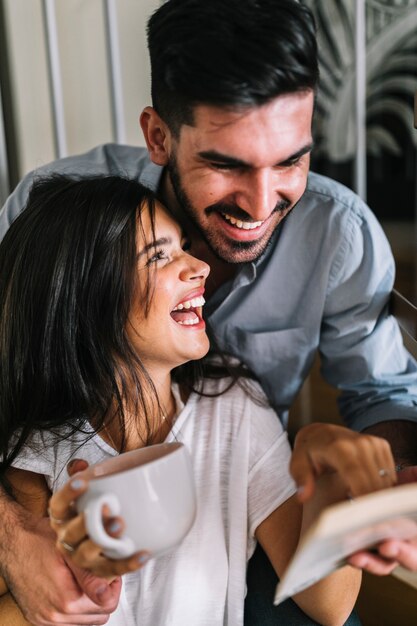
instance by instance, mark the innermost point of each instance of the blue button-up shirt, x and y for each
(323, 283)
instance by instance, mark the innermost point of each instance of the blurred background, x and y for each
(364, 123)
(75, 73)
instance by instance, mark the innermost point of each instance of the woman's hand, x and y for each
(72, 538)
(364, 463)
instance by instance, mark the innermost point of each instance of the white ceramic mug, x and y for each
(152, 489)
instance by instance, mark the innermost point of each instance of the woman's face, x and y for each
(172, 332)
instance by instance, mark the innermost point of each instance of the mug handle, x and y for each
(115, 548)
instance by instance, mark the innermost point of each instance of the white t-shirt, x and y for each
(240, 457)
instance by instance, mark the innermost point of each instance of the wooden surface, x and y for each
(386, 601)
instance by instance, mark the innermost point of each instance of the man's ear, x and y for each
(157, 136)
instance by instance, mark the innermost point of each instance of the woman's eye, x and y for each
(158, 256)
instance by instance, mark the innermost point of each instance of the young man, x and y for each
(298, 262)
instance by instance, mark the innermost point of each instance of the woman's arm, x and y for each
(330, 463)
(329, 601)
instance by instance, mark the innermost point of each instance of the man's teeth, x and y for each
(195, 303)
(240, 224)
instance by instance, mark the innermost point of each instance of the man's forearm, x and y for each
(12, 518)
(402, 435)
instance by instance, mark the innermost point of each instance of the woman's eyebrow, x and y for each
(163, 241)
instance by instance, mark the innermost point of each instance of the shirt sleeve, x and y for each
(105, 159)
(38, 456)
(269, 480)
(361, 346)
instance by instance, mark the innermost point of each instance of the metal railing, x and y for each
(116, 95)
(55, 74)
(4, 165)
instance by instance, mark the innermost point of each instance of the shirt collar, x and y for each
(248, 272)
(151, 175)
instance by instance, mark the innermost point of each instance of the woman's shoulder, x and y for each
(55, 447)
(232, 388)
(242, 397)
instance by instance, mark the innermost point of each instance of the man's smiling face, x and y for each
(237, 174)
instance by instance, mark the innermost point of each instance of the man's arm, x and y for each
(402, 436)
(35, 572)
(361, 346)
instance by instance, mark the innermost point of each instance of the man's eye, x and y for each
(158, 256)
(223, 166)
(291, 162)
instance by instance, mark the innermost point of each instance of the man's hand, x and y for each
(44, 587)
(362, 462)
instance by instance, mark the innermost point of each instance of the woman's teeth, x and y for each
(195, 303)
(185, 313)
(240, 223)
(190, 322)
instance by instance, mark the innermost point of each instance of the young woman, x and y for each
(100, 327)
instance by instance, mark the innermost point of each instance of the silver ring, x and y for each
(383, 472)
(55, 520)
(68, 547)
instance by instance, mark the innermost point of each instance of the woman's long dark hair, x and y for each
(67, 278)
(67, 275)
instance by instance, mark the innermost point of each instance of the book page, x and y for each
(348, 527)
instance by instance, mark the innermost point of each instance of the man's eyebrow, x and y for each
(218, 157)
(304, 150)
(163, 241)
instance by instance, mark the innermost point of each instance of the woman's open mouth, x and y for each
(189, 312)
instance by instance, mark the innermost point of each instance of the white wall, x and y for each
(85, 78)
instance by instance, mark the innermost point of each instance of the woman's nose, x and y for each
(194, 268)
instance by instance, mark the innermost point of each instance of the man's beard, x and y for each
(251, 249)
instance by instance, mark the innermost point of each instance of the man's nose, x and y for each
(258, 196)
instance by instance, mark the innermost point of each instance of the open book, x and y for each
(345, 528)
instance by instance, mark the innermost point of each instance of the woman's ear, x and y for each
(157, 136)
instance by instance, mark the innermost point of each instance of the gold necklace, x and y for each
(164, 418)
(170, 413)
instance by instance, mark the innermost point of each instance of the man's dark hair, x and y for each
(228, 53)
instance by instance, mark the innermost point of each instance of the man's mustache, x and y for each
(239, 214)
